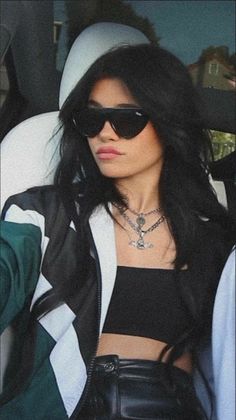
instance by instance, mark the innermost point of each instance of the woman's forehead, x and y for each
(111, 92)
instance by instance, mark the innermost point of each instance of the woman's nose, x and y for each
(108, 133)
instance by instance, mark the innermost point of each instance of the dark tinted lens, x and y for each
(128, 123)
(89, 122)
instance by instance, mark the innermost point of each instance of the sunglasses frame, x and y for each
(112, 116)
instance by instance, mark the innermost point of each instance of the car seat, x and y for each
(30, 151)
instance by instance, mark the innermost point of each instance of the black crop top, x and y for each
(145, 303)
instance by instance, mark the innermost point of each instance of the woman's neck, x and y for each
(141, 195)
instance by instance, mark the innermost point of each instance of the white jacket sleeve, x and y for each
(223, 343)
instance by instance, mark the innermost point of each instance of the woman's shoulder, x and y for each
(43, 196)
(47, 206)
(36, 206)
(33, 198)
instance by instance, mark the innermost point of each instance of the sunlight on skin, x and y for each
(132, 347)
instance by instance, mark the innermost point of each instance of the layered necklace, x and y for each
(138, 226)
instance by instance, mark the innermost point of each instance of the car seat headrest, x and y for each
(91, 44)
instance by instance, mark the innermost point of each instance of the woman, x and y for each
(113, 308)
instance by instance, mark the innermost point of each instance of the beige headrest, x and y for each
(91, 44)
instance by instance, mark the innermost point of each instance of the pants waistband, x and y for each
(140, 389)
(139, 368)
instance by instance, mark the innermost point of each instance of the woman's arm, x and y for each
(223, 342)
(20, 259)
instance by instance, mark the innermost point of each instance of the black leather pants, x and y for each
(140, 389)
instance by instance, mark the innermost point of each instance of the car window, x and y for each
(200, 33)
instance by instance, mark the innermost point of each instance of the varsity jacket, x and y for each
(39, 247)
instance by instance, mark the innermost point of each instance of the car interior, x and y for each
(35, 89)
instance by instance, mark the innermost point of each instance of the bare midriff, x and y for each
(133, 347)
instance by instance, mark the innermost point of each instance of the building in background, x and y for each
(214, 69)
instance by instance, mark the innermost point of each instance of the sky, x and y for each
(187, 27)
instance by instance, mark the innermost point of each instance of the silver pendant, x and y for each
(140, 244)
(140, 220)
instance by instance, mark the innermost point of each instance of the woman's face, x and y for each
(117, 157)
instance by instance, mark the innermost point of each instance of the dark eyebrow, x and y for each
(96, 104)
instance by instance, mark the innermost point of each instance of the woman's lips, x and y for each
(106, 153)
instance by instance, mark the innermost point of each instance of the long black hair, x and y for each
(163, 88)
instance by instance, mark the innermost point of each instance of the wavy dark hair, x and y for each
(163, 88)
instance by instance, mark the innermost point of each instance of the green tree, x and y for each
(223, 143)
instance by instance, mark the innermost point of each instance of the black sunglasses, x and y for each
(126, 122)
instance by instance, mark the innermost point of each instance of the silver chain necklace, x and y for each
(141, 216)
(140, 244)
